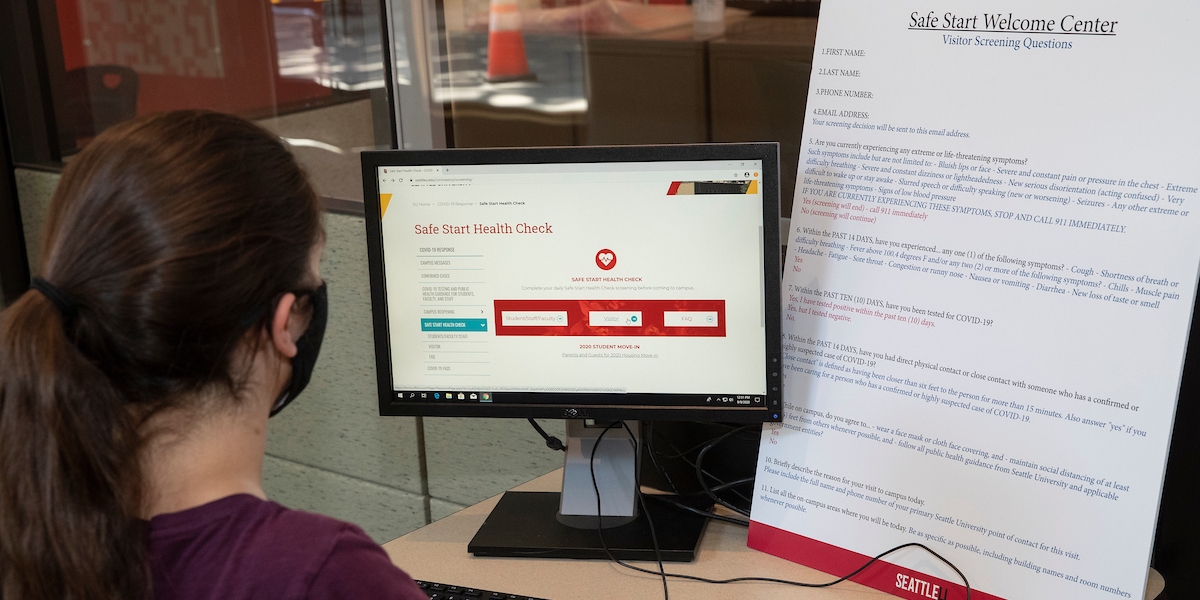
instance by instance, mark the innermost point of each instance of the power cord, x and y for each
(552, 442)
(658, 556)
(654, 454)
(654, 458)
(703, 513)
(700, 473)
(870, 562)
(734, 483)
(649, 438)
(649, 520)
(638, 490)
(679, 453)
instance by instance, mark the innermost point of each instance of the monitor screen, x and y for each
(636, 282)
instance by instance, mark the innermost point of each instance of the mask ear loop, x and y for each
(291, 391)
(247, 321)
(253, 316)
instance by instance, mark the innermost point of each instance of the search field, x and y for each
(533, 318)
(690, 319)
(615, 318)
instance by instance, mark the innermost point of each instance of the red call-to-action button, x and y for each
(682, 318)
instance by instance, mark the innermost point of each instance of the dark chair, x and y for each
(99, 96)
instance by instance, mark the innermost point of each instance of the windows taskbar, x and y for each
(581, 398)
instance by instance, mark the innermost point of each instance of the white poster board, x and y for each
(988, 289)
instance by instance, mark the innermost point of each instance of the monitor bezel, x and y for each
(767, 152)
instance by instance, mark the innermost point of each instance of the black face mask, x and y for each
(307, 349)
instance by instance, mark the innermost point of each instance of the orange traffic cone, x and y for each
(506, 46)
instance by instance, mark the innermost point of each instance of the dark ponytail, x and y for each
(163, 234)
(68, 448)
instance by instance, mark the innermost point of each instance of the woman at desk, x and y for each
(179, 306)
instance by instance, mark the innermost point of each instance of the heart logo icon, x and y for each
(606, 259)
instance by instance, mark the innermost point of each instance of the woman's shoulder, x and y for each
(245, 547)
(251, 524)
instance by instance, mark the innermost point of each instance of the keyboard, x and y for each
(444, 591)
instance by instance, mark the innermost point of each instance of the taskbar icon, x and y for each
(734, 400)
(439, 396)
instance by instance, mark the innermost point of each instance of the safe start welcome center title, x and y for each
(1009, 23)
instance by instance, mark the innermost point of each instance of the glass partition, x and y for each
(488, 73)
(464, 73)
(310, 70)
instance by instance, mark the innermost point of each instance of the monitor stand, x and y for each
(564, 525)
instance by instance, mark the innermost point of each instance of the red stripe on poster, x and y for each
(882, 575)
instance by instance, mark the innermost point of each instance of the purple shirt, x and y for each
(242, 548)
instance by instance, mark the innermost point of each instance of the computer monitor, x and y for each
(592, 284)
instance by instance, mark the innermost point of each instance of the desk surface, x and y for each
(438, 552)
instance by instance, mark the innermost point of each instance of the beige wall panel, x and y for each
(335, 424)
(34, 189)
(440, 509)
(383, 512)
(473, 459)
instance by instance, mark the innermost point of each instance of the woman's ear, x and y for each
(284, 326)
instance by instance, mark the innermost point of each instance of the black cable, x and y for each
(637, 488)
(654, 458)
(599, 514)
(679, 454)
(552, 442)
(738, 482)
(703, 513)
(742, 496)
(662, 572)
(683, 455)
(870, 562)
(649, 440)
(700, 472)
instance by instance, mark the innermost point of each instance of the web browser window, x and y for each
(600, 278)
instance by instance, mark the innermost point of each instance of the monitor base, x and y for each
(524, 524)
